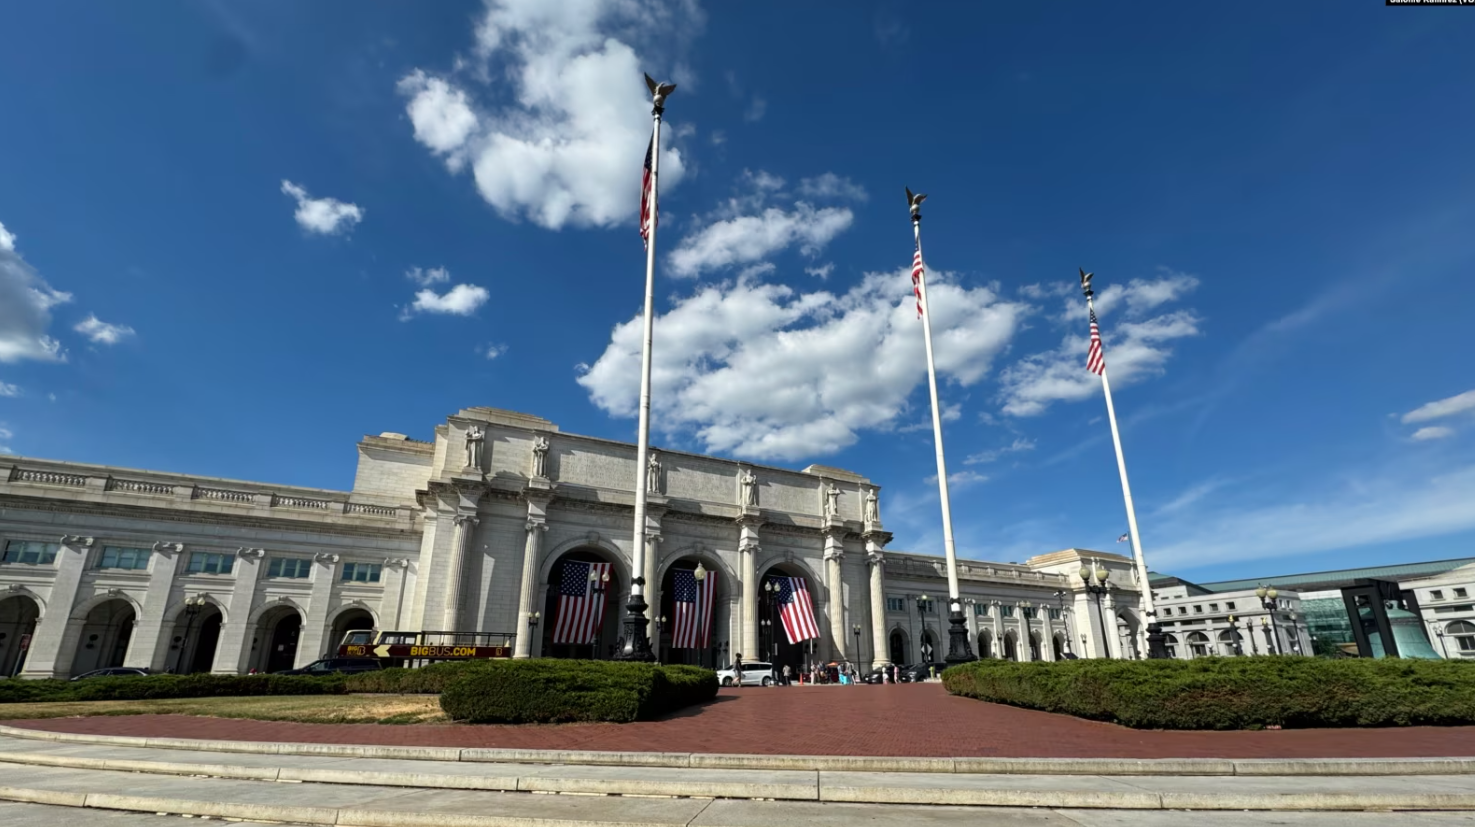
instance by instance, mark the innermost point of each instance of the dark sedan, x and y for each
(335, 666)
(115, 672)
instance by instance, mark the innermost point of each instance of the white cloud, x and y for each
(425, 278)
(493, 351)
(6, 436)
(821, 271)
(326, 216)
(1135, 349)
(1191, 496)
(461, 300)
(830, 185)
(7, 389)
(769, 372)
(1433, 432)
(718, 137)
(561, 139)
(1019, 445)
(1459, 403)
(747, 238)
(25, 308)
(102, 333)
(756, 109)
(959, 480)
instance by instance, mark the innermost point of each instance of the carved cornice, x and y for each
(77, 541)
(397, 562)
(541, 525)
(156, 514)
(250, 553)
(168, 548)
(325, 557)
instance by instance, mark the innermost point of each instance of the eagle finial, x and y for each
(1086, 282)
(914, 201)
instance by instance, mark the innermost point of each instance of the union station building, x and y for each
(467, 533)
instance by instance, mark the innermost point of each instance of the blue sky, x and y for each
(238, 236)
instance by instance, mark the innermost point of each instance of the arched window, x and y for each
(1170, 642)
(898, 647)
(1231, 643)
(1198, 644)
(1463, 632)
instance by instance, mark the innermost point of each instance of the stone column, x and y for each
(1109, 634)
(834, 553)
(747, 644)
(997, 611)
(236, 632)
(877, 561)
(451, 618)
(532, 553)
(395, 572)
(144, 648)
(47, 649)
(312, 643)
(1047, 644)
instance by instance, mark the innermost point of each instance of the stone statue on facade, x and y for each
(475, 438)
(832, 501)
(540, 456)
(873, 507)
(653, 474)
(750, 488)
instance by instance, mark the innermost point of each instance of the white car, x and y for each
(756, 673)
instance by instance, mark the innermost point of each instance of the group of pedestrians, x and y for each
(785, 675)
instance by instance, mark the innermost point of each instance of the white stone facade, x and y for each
(109, 566)
(1447, 605)
(1202, 624)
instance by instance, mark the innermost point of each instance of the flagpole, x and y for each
(1156, 647)
(958, 648)
(635, 643)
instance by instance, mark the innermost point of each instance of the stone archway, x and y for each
(569, 572)
(1127, 628)
(18, 615)
(773, 637)
(1011, 645)
(1058, 645)
(102, 642)
(274, 638)
(897, 648)
(1036, 643)
(349, 618)
(928, 647)
(706, 601)
(193, 639)
(985, 643)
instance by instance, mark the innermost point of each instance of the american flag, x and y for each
(580, 605)
(1124, 538)
(1095, 359)
(917, 270)
(647, 209)
(795, 609)
(693, 605)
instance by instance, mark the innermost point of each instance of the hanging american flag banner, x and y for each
(693, 607)
(917, 270)
(795, 610)
(580, 603)
(647, 209)
(1095, 359)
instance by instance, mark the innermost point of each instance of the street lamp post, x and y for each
(192, 607)
(1269, 626)
(660, 624)
(1234, 636)
(924, 603)
(1097, 581)
(1060, 595)
(1268, 603)
(856, 630)
(772, 589)
(1029, 643)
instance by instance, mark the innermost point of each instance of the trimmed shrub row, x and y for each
(425, 680)
(1231, 693)
(558, 691)
(166, 686)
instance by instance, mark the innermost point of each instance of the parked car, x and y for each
(115, 672)
(335, 666)
(918, 672)
(877, 675)
(757, 673)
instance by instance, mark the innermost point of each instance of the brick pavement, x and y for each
(905, 720)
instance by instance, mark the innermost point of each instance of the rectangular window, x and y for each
(201, 562)
(896, 604)
(1229, 606)
(1198, 610)
(30, 552)
(1007, 611)
(1436, 595)
(120, 557)
(980, 609)
(1054, 614)
(1462, 593)
(1214, 607)
(289, 567)
(1031, 612)
(361, 572)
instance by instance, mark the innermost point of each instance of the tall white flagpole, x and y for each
(1155, 645)
(958, 647)
(635, 642)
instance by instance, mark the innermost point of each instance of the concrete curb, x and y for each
(814, 763)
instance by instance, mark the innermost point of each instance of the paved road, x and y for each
(907, 720)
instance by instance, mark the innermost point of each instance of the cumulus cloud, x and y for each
(461, 300)
(493, 351)
(747, 238)
(7, 389)
(821, 271)
(102, 333)
(425, 278)
(1135, 349)
(5, 436)
(770, 372)
(1433, 432)
(1020, 444)
(1442, 408)
(325, 216)
(560, 139)
(959, 480)
(830, 185)
(25, 308)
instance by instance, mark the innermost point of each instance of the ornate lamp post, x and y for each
(856, 630)
(1267, 601)
(1234, 636)
(1060, 595)
(1029, 644)
(924, 604)
(192, 607)
(1269, 626)
(1096, 579)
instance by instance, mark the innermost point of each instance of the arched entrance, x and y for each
(192, 642)
(1127, 634)
(347, 620)
(985, 644)
(929, 647)
(581, 618)
(17, 629)
(274, 647)
(1057, 646)
(1034, 645)
(1011, 646)
(897, 647)
(692, 611)
(103, 642)
(1170, 642)
(773, 640)
(1231, 643)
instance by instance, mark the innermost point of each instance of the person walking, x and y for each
(786, 674)
(737, 668)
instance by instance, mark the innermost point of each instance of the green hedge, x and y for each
(556, 691)
(166, 686)
(431, 679)
(1231, 693)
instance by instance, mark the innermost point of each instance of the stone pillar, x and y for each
(532, 553)
(47, 649)
(234, 644)
(147, 648)
(312, 642)
(394, 574)
(1047, 644)
(1109, 634)
(747, 642)
(877, 561)
(835, 605)
(451, 618)
(997, 611)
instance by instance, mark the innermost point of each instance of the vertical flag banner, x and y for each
(647, 209)
(917, 270)
(795, 610)
(693, 607)
(580, 605)
(1095, 358)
